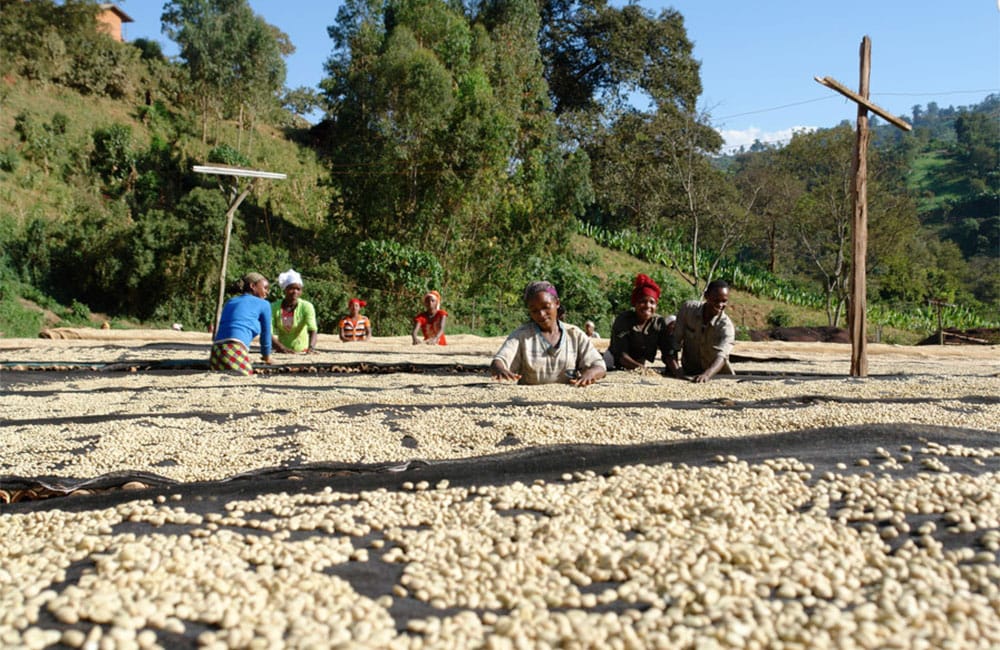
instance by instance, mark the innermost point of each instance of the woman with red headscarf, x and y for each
(637, 334)
(354, 326)
(429, 324)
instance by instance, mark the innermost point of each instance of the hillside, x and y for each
(33, 197)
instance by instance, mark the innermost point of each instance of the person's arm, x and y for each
(727, 337)
(625, 360)
(265, 332)
(674, 366)
(501, 372)
(711, 371)
(674, 345)
(589, 361)
(368, 329)
(311, 327)
(275, 323)
(504, 359)
(416, 334)
(590, 375)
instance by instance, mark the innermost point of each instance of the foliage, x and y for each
(16, 320)
(440, 136)
(233, 56)
(753, 279)
(42, 143)
(60, 42)
(395, 276)
(779, 317)
(113, 157)
(227, 155)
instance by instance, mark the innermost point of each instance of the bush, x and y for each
(9, 160)
(395, 276)
(779, 317)
(16, 320)
(579, 293)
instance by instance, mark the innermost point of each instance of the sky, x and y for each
(758, 59)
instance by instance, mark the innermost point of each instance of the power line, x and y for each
(880, 94)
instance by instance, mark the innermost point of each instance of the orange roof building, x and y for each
(110, 20)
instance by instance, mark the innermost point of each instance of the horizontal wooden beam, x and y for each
(230, 170)
(829, 82)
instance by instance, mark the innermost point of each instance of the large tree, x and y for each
(625, 87)
(802, 192)
(233, 56)
(441, 131)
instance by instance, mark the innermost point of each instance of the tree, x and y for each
(774, 191)
(597, 55)
(440, 127)
(233, 56)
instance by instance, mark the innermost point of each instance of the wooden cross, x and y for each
(856, 308)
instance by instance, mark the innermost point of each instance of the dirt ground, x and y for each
(387, 495)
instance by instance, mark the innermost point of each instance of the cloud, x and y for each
(735, 138)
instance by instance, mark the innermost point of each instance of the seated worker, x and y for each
(704, 336)
(243, 318)
(293, 320)
(637, 334)
(591, 330)
(430, 323)
(545, 350)
(355, 326)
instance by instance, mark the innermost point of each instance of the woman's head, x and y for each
(291, 283)
(254, 283)
(542, 301)
(432, 301)
(354, 306)
(645, 297)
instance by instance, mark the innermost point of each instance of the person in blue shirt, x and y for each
(243, 318)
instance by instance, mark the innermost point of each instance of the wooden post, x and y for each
(225, 256)
(857, 321)
(857, 307)
(237, 172)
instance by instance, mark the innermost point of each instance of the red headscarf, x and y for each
(361, 303)
(644, 286)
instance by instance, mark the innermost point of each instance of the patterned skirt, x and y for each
(230, 355)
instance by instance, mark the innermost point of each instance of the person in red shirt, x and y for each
(429, 324)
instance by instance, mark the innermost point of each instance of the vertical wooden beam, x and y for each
(225, 255)
(856, 314)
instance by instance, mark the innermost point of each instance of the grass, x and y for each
(18, 320)
(933, 183)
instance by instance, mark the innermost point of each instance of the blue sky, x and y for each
(758, 58)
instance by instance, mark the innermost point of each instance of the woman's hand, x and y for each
(588, 376)
(500, 372)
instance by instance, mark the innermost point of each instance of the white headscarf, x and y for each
(291, 276)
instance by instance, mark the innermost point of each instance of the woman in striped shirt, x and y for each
(355, 326)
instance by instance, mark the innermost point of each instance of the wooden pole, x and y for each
(856, 313)
(225, 256)
(857, 306)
